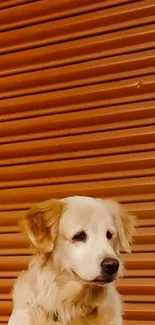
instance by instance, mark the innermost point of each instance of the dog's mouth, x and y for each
(104, 279)
(98, 281)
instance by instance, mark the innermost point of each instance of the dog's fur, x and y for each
(59, 287)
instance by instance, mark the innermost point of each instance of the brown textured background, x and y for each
(77, 113)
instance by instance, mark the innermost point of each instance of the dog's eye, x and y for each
(80, 236)
(109, 234)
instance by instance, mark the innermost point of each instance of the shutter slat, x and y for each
(144, 248)
(76, 131)
(74, 125)
(9, 216)
(129, 87)
(139, 286)
(5, 308)
(146, 222)
(41, 12)
(79, 167)
(76, 154)
(13, 263)
(9, 229)
(147, 198)
(41, 100)
(135, 311)
(142, 39)
(78, 178)
(96, 71)
(142, 210)
(73, 118)
(139, 273)
(3, 319)
(8, 274)
(120, 67)
(66, 29)
(75, 179)
(16, 251)
(10, 3)
(12, 241)
(38, 11)
(139, 299)
(6, 285)
(63, 144)
(47, 57)
(135, 322)
(125, 187)
(122, 199)
(140, 260)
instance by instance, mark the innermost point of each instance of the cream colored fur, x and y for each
(59, 286)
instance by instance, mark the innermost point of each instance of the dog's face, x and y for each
(85, 236)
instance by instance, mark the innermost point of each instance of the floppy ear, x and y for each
(41, 224)
(124, 222)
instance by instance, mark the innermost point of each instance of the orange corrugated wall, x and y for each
(77, 113)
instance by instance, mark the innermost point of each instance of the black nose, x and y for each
(110, 265)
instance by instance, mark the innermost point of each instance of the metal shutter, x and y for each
(77, 114)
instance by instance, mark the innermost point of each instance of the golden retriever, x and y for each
(71, 279)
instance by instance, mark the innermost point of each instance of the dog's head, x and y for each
(84, 235)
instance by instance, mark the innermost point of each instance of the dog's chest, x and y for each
(90, 319)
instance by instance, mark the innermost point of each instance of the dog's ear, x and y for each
(41, 224)
(124, 223)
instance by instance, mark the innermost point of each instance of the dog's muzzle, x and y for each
(109, 269)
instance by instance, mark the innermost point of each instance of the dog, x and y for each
(71, 278)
